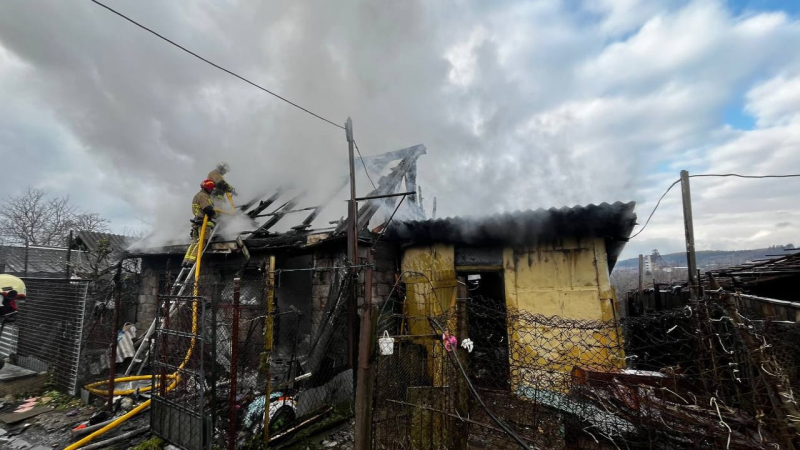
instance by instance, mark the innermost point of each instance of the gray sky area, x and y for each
(520, 104)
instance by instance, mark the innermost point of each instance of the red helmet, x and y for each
(207, 185)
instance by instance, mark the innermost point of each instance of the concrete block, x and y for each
(320, 290)
(384, 289)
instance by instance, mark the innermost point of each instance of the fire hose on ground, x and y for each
(175, 377)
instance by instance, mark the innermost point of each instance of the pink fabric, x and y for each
(450, 342)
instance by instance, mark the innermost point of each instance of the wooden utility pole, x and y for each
(267, 360)
(363, 426)
(688, 224)
(352, 246)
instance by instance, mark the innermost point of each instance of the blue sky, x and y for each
(521, 105)
(744, 6)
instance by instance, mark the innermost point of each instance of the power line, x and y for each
(744, 176)
(217, 65)
(654, 209)
(707, 175)
(365, 166)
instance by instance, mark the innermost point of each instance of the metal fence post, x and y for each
(234, 366)
(27, 250)
(112, 364)
(69, 256)
(462, 405)
(267, 360)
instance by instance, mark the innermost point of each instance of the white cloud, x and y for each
(775, 102)
(521, 104)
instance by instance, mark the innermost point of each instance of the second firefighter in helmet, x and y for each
(217, 176)
(202, 207)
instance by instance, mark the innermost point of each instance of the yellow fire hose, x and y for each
(233, 207)
(175, 377)
(230, 200)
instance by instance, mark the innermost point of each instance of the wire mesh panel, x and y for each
(50, 329)
(179, 412)
(308, 370)
(701, 376)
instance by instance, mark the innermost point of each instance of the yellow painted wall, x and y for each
(568, 279)
(430, 277)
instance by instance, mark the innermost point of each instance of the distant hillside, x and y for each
(710, 259)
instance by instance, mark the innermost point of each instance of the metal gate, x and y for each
(179, 414)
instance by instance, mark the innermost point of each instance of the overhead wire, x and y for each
(217, 65)
(654, 209)
(389, 222)
(365, 165)
(722, 175)
(793, 175)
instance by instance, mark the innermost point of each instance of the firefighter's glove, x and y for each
(233, 192)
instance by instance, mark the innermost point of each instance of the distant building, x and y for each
(89, 253)
(34, 261)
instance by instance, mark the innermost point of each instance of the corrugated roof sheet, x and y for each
(92, 240)
(53, 260)
(614, 222)
(41, 260)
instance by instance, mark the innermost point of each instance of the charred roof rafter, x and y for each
(405, 170)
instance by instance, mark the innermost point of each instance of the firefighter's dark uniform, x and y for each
(202, 206)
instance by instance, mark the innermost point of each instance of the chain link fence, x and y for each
(306, 373)
(701, 376)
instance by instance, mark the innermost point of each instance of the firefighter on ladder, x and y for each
(202, 205)
(222, 189)
(222, 186)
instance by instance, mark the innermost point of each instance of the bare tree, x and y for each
(35, 218)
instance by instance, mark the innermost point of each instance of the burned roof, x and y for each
(93, 241)
(287, 200)
(614, 222)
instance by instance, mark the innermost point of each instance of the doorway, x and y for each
(488, 329)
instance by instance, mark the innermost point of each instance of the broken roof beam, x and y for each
(287, 212)
(279, 213)
(369, 209)
(307, 222)
(376, 163)
(414, 151)
(386, 185)
(264, 204)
